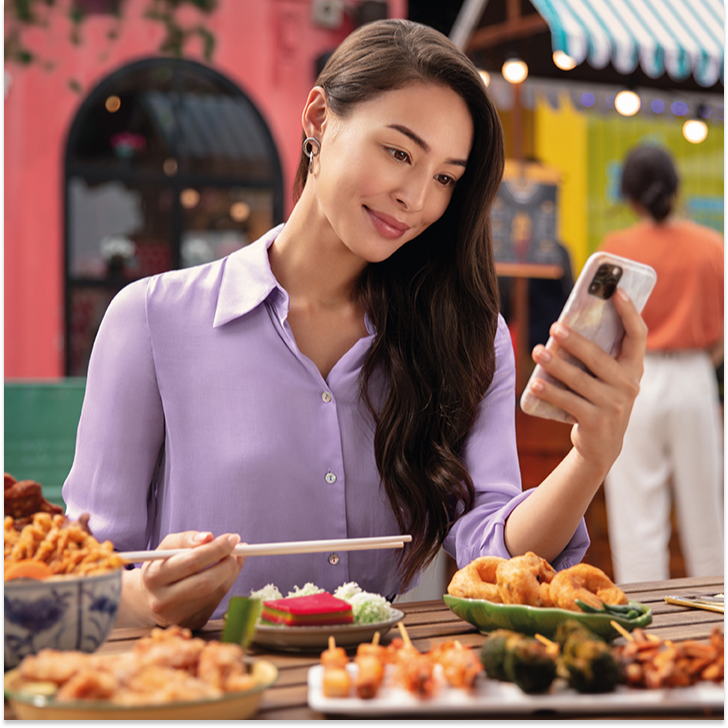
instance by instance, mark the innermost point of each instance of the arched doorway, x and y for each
(168, 165)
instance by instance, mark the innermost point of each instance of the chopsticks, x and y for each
(713, 603)
(284, 547)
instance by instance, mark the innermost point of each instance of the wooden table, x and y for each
(429, 623)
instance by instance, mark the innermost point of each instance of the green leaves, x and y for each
(623, 611)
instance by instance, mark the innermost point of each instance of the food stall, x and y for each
(580, 57)
(272, 654)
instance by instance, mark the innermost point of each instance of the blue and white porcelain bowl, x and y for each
(69, 613)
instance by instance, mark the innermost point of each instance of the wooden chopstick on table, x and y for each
(284, 547)
(711, 602)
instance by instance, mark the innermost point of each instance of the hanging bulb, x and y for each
(485, 76)
(514, 70)
(563, 61)
(627, 103)
(695, 130)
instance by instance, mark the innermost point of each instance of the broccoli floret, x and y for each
(530, 665)
(493, 653)
(591, 666)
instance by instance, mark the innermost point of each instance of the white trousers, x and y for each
(674, 437)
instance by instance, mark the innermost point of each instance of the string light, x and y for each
(563, 61)
(627, 102)
(189, 198)
(113, 104)
(514, 70)
(695, 130)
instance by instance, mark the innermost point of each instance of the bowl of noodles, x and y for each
(62, 587)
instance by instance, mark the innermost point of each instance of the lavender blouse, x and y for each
(202, 414)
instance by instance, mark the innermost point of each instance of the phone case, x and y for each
(593, 317)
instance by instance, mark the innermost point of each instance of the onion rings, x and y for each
(477, 580)
(520, 580)
(586, 583)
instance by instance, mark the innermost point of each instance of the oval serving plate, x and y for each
(307, 639)
(231, 706)
(487, 616)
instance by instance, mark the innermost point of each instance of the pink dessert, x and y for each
(314, 609)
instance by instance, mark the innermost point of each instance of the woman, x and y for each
(347, 375)
(672, 447)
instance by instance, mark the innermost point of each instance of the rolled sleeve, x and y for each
(121, 428)
(491, 456)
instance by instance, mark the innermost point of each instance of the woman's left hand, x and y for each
(600, 404)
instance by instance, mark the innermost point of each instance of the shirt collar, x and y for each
(247, 280)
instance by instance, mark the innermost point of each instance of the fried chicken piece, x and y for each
(336, 682)
(88, 684)
(164, 648)
(221, 662)
(460, 665)
(156, 684)
(414, 671)
(52, 665)
(370, 659)
(25, 497)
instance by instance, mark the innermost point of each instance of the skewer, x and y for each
(284, 547)
(375, 639)
(552, 647)
(405, 637)
(621, 630)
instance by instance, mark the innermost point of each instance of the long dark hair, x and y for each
(649, 178)
(434, 303)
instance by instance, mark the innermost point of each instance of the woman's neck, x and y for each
(309, 260)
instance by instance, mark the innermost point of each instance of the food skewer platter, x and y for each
(491, 697)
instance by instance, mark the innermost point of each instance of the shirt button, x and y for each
(333, 559)
(330, 478)
(326, 397)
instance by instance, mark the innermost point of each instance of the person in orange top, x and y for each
(673, 443)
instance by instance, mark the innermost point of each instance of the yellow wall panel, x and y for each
(560, 141)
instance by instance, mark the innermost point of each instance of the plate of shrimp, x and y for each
(525, 594)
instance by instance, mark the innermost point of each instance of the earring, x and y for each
(311, 148)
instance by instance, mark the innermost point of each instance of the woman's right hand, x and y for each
(186, 588)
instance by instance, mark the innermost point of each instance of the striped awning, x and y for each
(682, 37)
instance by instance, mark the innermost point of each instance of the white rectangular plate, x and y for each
(493, 697)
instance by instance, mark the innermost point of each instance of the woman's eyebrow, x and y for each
(420, 142)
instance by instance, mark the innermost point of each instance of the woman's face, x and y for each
(388, 170)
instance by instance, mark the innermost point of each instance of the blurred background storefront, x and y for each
(144, 135)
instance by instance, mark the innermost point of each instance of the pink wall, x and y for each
(267, 47)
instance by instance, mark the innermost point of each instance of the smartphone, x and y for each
(590, 311)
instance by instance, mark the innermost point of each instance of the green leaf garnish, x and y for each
(240, 619)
